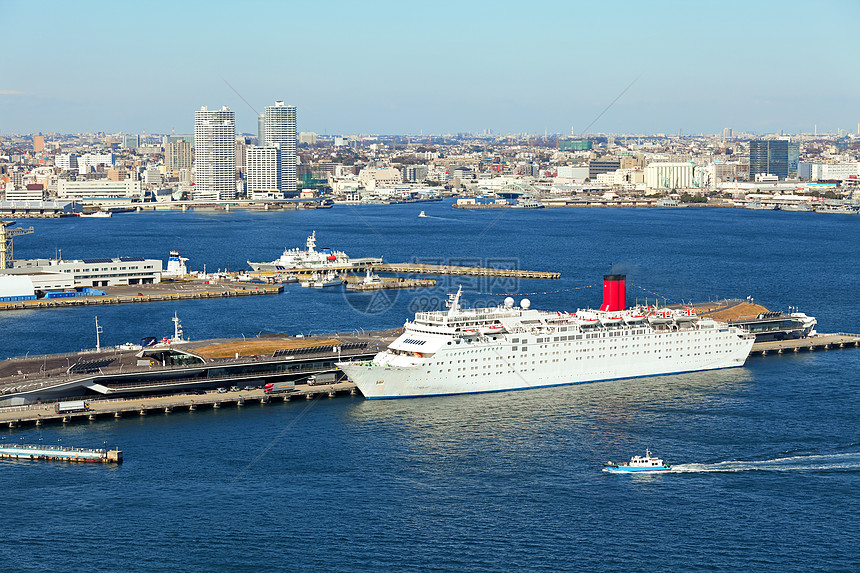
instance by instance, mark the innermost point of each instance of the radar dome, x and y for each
(509, 302)
(525, 303)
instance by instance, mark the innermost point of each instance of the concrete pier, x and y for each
(151, 293)
(809, 344)
(60, 454)
(424, 269)
(115, 409)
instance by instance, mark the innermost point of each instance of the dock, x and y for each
(808, 344)
(427, 269)
(60, 454)
(358, 285)
(113, 409)
(150, 293)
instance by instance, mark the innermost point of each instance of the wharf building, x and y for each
(92, 272)
(278, 129)
(774, 157)
(214, 154)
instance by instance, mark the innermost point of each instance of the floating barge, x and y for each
(60, 454)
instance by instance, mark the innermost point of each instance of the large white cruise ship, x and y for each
(312, 259)
(465, 350)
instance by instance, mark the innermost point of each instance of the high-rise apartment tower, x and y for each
(214, 154)
(279, 130)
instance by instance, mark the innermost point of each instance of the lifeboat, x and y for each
(611, 319)
(470, 331)
(492, 329)
(664, 317)
(630, 319)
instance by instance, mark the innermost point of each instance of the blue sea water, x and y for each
(768, 455)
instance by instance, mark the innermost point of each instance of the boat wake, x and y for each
(824, 462)
(435, 217)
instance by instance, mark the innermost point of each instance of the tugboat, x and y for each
(638, 464)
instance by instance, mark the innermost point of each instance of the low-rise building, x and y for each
(96, 272)
(99, 189)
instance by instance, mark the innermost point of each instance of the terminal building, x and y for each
(93, 272)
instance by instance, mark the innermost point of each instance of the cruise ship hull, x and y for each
(498, 369)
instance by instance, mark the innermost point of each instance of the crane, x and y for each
(6, 235)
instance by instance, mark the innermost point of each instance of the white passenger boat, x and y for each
(461, 350)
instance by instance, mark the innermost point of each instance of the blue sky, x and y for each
(433, 67)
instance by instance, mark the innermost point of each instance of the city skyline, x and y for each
(381, 67)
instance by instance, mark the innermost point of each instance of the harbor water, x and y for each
(766, 457)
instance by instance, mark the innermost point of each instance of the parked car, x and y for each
(234, 389)
(222, 390)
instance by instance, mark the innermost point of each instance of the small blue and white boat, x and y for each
(638, 464)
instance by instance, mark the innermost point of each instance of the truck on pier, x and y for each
(279, 387)
(72, 407)
(323, 378)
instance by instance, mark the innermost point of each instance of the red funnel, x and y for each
(614, 292)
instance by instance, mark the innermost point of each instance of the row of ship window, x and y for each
(105, 269)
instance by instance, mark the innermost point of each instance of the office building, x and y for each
(130, 141)
(828, 171)
(66, 161)
(279, 130)
(99, 189)
(574, 145)
(38, 143)
(29, 192)
(415, 173)
(214, 154)
(775, 157)
(597, 167)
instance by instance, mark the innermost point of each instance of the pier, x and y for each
(426, 269)
(357, 284)
(114, 409)
(60, 454)
(150, 293)
(809, 344)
